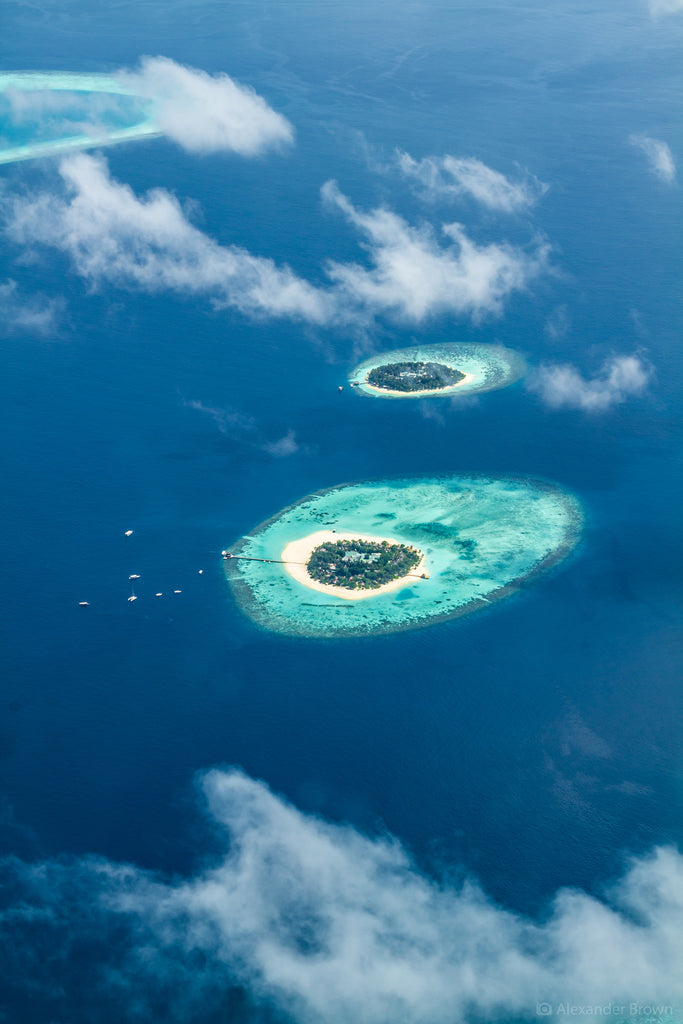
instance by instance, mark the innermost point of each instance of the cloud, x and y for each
(453, 177)
(34, 314)
(562, 386)
(113, 236)
(558, 324)
(658, 154)
(658, 7)
(227, 420)
(580, 738)
(320, 923)
(413, 276)
(245, 430)
(207, 113)
(284, 446)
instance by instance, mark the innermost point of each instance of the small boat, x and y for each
(134, 576)
(84, 604)
(340, 388)
(177, 591)
(128, 533)
(200, 571)
(133, 597)
(158, 595)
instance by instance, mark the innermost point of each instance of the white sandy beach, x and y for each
(296, 554)
(467, 379)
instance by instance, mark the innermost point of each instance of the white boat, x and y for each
(84, 604)
(128, 533)
(133, 597)
(134, 576)
(177, 591)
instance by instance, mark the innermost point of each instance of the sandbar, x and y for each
(143, 122)
(296, 554)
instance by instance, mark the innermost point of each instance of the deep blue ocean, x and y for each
(535, 744)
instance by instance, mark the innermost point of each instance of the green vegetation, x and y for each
(414, 376)
(361, 564)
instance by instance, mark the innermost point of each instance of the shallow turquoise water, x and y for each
(489, 366)
(43, 113)
(480, 537)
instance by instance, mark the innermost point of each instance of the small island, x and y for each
(361, 564)
(436, 371)
(414, 376)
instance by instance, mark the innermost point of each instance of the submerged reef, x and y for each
(480, 537)
(43, 113)
(466, 368)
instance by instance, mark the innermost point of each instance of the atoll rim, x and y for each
(45, 113)
(484, 368)
(482, 537)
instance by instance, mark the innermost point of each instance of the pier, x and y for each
(281, 561)
(249, 558)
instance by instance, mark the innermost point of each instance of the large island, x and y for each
(341, 563)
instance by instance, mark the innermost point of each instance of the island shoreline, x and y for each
(295, 557)
(486, 367)
(467, 378)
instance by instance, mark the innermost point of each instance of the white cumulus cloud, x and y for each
(320, 923)
(414, 275)
(207, 113)
(658, 155)
(562, 386)
(453, 177)
(111, 235)
(114, 236)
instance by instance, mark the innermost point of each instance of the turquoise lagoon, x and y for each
(44, 113)
(482, 537)
(489, 367)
